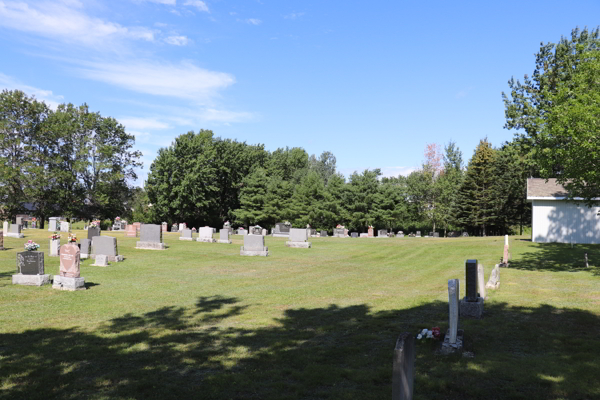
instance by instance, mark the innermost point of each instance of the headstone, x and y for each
(186, 234)
(418, 234)
(345, 232)
(69, 278)
(298, 238)
(254, 245)
(224, 236)
(323, 233)
(101, 261)
(64, 226)
(364, 235)
(505, 255)
(85, 247)
(54, 245)
(370, 232)
(164, 226)
(15, 231)
(205, 234)
(453, 340)
(339, 232)
(264, 232)
(403, 372)
(150, 238)
(5, 226)
(242, 231)
(131, 231)
(494, 281)
(107, 246)
(180, 227)
(465, 234)
(19, 221)
(471, 305)
(52, 224)
(256, 230)
(481, 281)
(30, 269)
(436, 234)
(174, 228)
(93, 231)
(382, 233)
(400, 234)
(354, 234)
(137, 225)
(281, 230)
(313, 232)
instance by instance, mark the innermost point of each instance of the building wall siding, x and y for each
(564, 222)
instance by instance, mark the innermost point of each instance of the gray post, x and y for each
(403, 375)
(453, 305)
(481, 280)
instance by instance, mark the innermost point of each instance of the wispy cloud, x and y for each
(166, 2)
(65, 20)
(137, 123)
(183, 80)
(53, 100)
(177, 40)
(293, 15)
(200, 5)
(253, 21)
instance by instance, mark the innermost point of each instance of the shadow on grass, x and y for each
(559, 257)
(323, 353)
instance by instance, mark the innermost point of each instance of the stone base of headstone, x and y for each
(299, 245)
(100, 261)
(450, 348)
(186, 238)
(263, 253)
(206, 240)
(66, 283)
(471, 309)
(283, 235)
(30, 280)
(118, 258)
(14, 235)
(150, 246)
(224, 241)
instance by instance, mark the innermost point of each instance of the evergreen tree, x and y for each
(253, 197)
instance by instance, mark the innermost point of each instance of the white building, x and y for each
(556, 219)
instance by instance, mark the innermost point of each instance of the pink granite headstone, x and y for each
(69, 261)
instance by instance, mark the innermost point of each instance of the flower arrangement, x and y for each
(227, 224)
(371, 227)
(433, 333)
(307, 226)
(31, 245)
(118, 219)
(95, 224)
(287, 223)
(33, 219)
(72, 238)
(55, 236)
(339, 226)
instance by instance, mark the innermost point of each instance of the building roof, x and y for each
(538, 188)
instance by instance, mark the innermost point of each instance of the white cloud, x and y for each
(64, 21)
(184, 80)
(167, 2)
(200, 5)
(52, 100)
(137, 123)
(214, 115)
(254, 21)
(177, 40)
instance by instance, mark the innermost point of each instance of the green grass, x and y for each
(200, 321)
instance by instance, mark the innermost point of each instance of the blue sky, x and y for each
(373, 82)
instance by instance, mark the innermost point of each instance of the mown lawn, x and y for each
(200, 321)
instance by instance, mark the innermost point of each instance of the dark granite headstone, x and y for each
(30, 263)
(93, 231)
(354, 234)
(471, 280)
(282, 228)
(151, 233)
(323, 233)
(436, 234)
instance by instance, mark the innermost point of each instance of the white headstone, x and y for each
(453, 304)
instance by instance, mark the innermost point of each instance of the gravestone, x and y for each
(69, 277)
(494, 281)
(370, 232)
(242, 231)
(505, 254)
(224, 236)
(85, 247)
(52, 224)
(2, 240)
(105, 246)
(137, 225)
(65, 226)
(164, 226)
(313, 232)
(256, 230)
(323, 233)
(205, 234)
(150, 238)
(264, 232)
(93, 231)
(436, 234)
(481, 281)
(471, 306)
(54, 246)
(382, 233)
(403, 371)
(281, 230)
(19, 221)
(453, 341)
(465, 234)
(15, 231)
(354, 234)
(298, 239)
(30, 269)
(186, 234)
(400, 234)
(131, 231)
(339, 232)
(174, 228)
(5, 226)
(364, 235)
(101, 261)
(254, 245)
(418, 234)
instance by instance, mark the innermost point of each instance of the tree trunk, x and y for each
(483, 230)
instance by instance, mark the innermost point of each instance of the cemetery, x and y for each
(359, 321)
